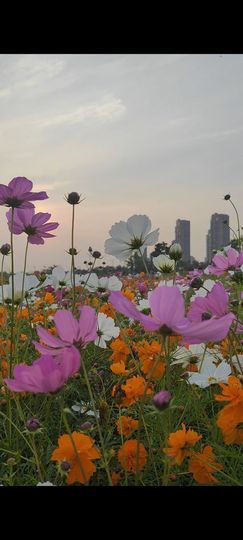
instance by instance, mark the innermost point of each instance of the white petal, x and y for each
(116, 249)
(119, 232)
(138, 226)
(152, 238)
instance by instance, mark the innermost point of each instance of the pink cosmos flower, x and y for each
(47, 374)
(18, 193)
(34, 225)
(229, 261)
(70, 330)
(215, 303)
(168, 316)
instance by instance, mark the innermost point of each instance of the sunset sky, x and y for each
(135, 134)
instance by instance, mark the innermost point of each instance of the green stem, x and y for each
(73, 262)
(238, 221)
(97, 422)
(22, 295)
(144, 262)
(74, 445)
(2, 279)
(12, 306)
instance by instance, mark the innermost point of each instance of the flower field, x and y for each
(118, 380)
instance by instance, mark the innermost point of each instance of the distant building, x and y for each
(182, 237)
(218, 235)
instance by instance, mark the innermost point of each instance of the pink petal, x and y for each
(67, 326)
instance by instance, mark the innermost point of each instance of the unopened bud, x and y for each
(96, 254)
(73, 198)
(161, 400)
(5, 249)
(33, 424)
(196, 283)
(175, 252)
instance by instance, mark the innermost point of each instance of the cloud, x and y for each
(107, 110)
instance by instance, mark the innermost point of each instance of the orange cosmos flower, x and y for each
(180, 444)
(4, 369)
(38, 317)
(108, 310)
(129, 294)
(49, 298)
(126, 425)
(229, 421)
(127, 456)
(119, 368)
(232, 391)
(202, 465)
(148, 354)
(120, 351)
(3, 315)
(22, 313)
(135, 388)
(78, 472)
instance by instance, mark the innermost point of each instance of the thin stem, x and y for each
(97, 422)
(24, 272)
(73, 263)
(2, 279)
(238, 221)
(144, 262)
(74, 445)
(12, 306)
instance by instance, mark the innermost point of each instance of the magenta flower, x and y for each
(229, 261)
(47, 374)
(34, 225)
(214, 304)
(168, 316)
(70, 330)
(18, 193)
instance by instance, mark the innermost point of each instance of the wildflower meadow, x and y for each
(123, 379)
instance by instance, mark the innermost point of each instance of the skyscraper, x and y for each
(182, 237)
(218, 235)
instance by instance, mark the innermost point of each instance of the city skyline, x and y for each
(135, 134)
(218, 235)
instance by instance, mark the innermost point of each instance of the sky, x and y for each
(150, 134)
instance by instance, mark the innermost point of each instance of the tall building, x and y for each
(182, 237)
(218, 235)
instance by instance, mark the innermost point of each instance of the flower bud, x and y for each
(196, 283)
(86, 426)
(65, 466)
(175, 252)
(5, 249)
(72, 251)
(73, 198)
(96, 254)
(33, 424)
(161, 400)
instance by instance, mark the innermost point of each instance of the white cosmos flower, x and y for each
(103, 284)
(207, 284)
(197, 353)
(84, 408)
(59, 278)
(170, 283)
(130, 236)
(143, 304)
(164, 264)
(210, 374)
(31, 284)
(106, 330)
